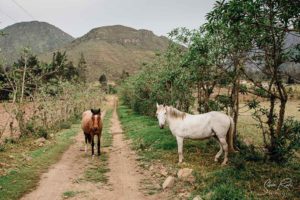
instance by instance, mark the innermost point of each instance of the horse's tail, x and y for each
(229, 136)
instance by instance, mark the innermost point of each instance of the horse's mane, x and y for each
(173, 112)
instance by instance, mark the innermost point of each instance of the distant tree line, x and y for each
(28, 74)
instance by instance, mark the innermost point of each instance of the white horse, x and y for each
(202, 126)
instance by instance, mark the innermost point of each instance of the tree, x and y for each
(103, 82)
(266, 23)
(82, 68)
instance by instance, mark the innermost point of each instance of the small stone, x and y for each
(3, 164)
(52, 135)
(40, 140)
(151, 168)
(28, 158)
(11, 156)
(184, 173)
(184, 195)
(163, 172)
(41, 144)
(169, 182)
(197, 197)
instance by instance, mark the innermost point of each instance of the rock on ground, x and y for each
(197, 197)
(169, 182)
(184, 173)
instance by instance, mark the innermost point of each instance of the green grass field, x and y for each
(246, 177)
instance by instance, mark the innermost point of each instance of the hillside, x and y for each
(39, 36)
(112, 49)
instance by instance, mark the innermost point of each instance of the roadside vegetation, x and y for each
(41, 104)
(248, 176)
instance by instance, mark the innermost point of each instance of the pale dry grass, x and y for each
(247, 126)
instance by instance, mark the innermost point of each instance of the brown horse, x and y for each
(92, 125)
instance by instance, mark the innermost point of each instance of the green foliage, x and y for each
(38, 75)
(112, 89)
(42, 132)
(287, 143)
(65, 125)
(2, 148)
(10, 141)
(228, 192)
(103, 79)
(69, 194)
(163, 81)
(82, 68)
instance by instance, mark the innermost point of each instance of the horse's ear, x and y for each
(164, 105)
(99, 110)
(157, 105)
(92, 110)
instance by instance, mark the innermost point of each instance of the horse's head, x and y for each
(161, 114)
(96, 117)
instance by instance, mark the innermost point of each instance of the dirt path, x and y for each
(125, 176)
(62, 175)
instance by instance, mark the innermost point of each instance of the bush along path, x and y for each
(247, 176)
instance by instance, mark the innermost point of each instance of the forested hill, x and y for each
(40, 37)
(112, 49)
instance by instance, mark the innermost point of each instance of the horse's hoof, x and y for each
(223, 164)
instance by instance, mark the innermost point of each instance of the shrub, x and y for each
(248, 153)
(10, 141)
(30, 127)
(2, 148)
(238, 161)
(65, 125)
(42, 132)
(287, 142)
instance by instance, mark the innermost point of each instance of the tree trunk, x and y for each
(23, 80)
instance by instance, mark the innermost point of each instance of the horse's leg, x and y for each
(225, 148)
(98, 144)
(93, 144)
(219, 152)
(86, 143)
(180, 146)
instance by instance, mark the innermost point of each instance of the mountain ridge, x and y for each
(40, 37)
(113, 49)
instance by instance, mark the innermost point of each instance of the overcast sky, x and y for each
(77, 17)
